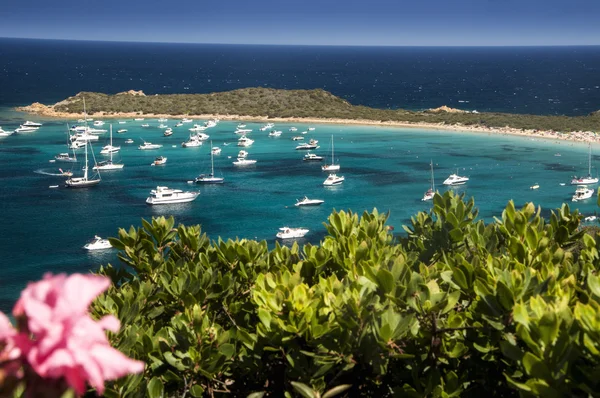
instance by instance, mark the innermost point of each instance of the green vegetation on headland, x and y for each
(275, 103)
(455, 307)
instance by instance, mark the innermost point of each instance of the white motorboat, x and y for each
(149, 145)
(97, 244)
(192, 142)
(244, 162)
(242, 154)
(96, 131)
(4, 133)
(163, 126)
(455, 179)
(121, 131)
(186, 120)
(162, 120)
(243, 131)
(332, 166)
(306, 146)
(215, 150)
(304, 132)
(241, 126)
(168, 132)
(589, 179)
(65, 157)
(309, 202)
(122, 122)
(431, 191)
(267, 127)
(291, 233)
(79, 129)
(197, 128)
(210, 178)
(159, 160)
(245, 141)
(333, 179)
(108, 149)
(31, 124)
(211, 123)
(84, 136)
(311, 157)
(129, 141)
(77, 145)
(535, 186)
(179, 124)
(145, 125)
(590, 218)
(582, 192)
(138, 119)
(275, 133)
(311, 129)
(293, 129)
(26, 129)
(297, 138)
(164, 195)
(109, 164)
(202, 136)
(98, 123)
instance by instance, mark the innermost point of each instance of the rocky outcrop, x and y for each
(446, 109)
(139, 93)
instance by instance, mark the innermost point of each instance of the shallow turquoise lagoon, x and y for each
(44, 229)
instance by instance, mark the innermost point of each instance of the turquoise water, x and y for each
(44, 229)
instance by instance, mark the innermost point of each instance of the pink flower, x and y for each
(65, 341)
(9, 353)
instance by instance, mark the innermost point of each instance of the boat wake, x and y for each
(60, 173)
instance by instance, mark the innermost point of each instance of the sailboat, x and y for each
(110, 149)
(332, 166)
(209, 178)
(85, 181)
(431, 191)
(65, 156)
(108, 164)
(589, 179)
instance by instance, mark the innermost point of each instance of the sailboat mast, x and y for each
(85, 169)
(332, 159)
(212, 163)
(111, 148)
(432, 180)
(590, 160)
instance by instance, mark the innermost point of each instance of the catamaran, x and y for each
(589, 179)
(332, 166)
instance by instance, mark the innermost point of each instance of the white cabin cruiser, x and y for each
(159, 160)
(309, 202)
(26, 129)
(242, 154)
(149, 145)
(164, 195)
(192, 142)
(333, 179)
(97, 244)
(291, 233)
(306, 146)
(267, 127)
(4, 133)
(275, 133)
(32, 124)
(455, 179)
(582, 192)
(245, 141)
(311, 157)
(244, 162)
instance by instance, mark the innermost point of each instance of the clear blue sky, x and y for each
(327, 22)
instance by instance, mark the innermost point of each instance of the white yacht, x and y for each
(267, 127)
(108, 149)
(311, 129)
(192, 142)
(138, 119)
(311, 157)
(210, 178)
(293, 129)
(129, 141)
(168, 132)
(305, 146)
(582, 192)
(275, 133)
(179, 124)
(243, 131)
(211, 123)
(245, 141)
(65, 157)
(162, 120)
(309, 202)
(332, 166)
(164, 195)
(215, 150)
(26, 129)
(159, 160)
(297, 138)
(163, 126)
(149, 145)
(98, 123)
(197, 128)
(291, 233)
(244, 162)
(186, 120)
(121, 131)
(97, 244)
(84, 136)
(455, 179)
(77, 144)
(4, 133)
(145, 125)
(31, 124)
(242, 154)
(108, 164)
(589, 179)
(241, 126)
(122, 122)
(333, 179)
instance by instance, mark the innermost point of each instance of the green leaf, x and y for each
(227, 349)
(385, 280)
(593, 283)
(256, 394)
(304, 390)
(155, 388)
(196, 391)
(265, 317)
(520, 315)
(336, 390)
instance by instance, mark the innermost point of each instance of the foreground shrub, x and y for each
(456, 307)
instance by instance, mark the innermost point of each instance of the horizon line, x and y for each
(305, 45)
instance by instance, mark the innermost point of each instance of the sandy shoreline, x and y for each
(576, 136)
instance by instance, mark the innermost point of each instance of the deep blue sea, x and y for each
(43, 229)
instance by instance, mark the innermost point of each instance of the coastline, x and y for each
(575, 136)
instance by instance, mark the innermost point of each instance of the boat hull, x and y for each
(81, 183)
(153, 201)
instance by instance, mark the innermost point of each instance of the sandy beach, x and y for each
(575, 136)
